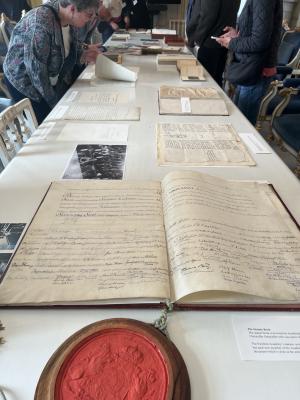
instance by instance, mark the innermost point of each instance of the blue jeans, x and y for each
(248, 98)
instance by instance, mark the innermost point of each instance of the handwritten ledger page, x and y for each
(200, 144)
(202, 101)
(228, 242)
(92, 240)
(229, 236)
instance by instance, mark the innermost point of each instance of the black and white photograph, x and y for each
(10, 235)
(4, 259)
(96, 161)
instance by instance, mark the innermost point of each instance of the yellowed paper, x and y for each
(192, 73)
(94, 133)
(229, 236)
(203, 101)
(200, 144)
(102, 98)
(92, 112)
(171, 59)
(91, 241)
(186, 63)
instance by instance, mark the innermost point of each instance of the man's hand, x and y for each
(229, 32)
(224, 41)
(90, 55)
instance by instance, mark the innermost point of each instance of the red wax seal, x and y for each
(113, 364)
(116, 359)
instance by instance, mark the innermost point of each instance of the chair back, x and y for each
(6, 27)
(17, 123)
(289, 49)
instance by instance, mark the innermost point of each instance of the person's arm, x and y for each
(262, 27)
(37, 51)
(208, 15)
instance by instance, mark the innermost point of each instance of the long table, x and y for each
(205, 339)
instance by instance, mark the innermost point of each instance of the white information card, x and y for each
(274, 338)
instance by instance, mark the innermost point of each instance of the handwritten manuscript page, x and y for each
(200, 144)
(229, 236)
(92, 240)
(100, 98)
(93, 112)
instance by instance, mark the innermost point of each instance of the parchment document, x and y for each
(200, 144)
(94, 112)
(203, 101)
(101, 98)
(89, 241)
(229, 236)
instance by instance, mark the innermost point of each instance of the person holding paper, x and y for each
(205, 19)
(44, 50)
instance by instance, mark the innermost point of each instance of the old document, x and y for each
(92, 112)
(94, 133)
(101, 98)
(229, 236)
(92, 241)
(200, 144)
(201, 101)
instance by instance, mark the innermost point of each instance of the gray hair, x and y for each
(81, 5)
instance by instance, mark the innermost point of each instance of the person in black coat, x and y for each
(206, 18)
(135, 15)
(13, 8)
(257, 37)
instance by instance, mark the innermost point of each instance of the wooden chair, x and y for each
(6, 27)
(17, 123)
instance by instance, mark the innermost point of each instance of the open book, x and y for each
(192, 238)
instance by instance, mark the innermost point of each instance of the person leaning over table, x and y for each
(255, 43)
(43, 51)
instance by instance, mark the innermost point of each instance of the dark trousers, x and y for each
(213, 60)
(41, 109)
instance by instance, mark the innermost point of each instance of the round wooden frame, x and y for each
(179, 385)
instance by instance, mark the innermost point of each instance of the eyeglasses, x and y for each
(90, 14)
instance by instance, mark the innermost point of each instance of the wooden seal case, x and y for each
(178, 385)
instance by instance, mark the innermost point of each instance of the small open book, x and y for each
(192, 238)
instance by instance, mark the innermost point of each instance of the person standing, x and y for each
(135, 15)
(43, 51)
(204, 19)
(254, 45)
